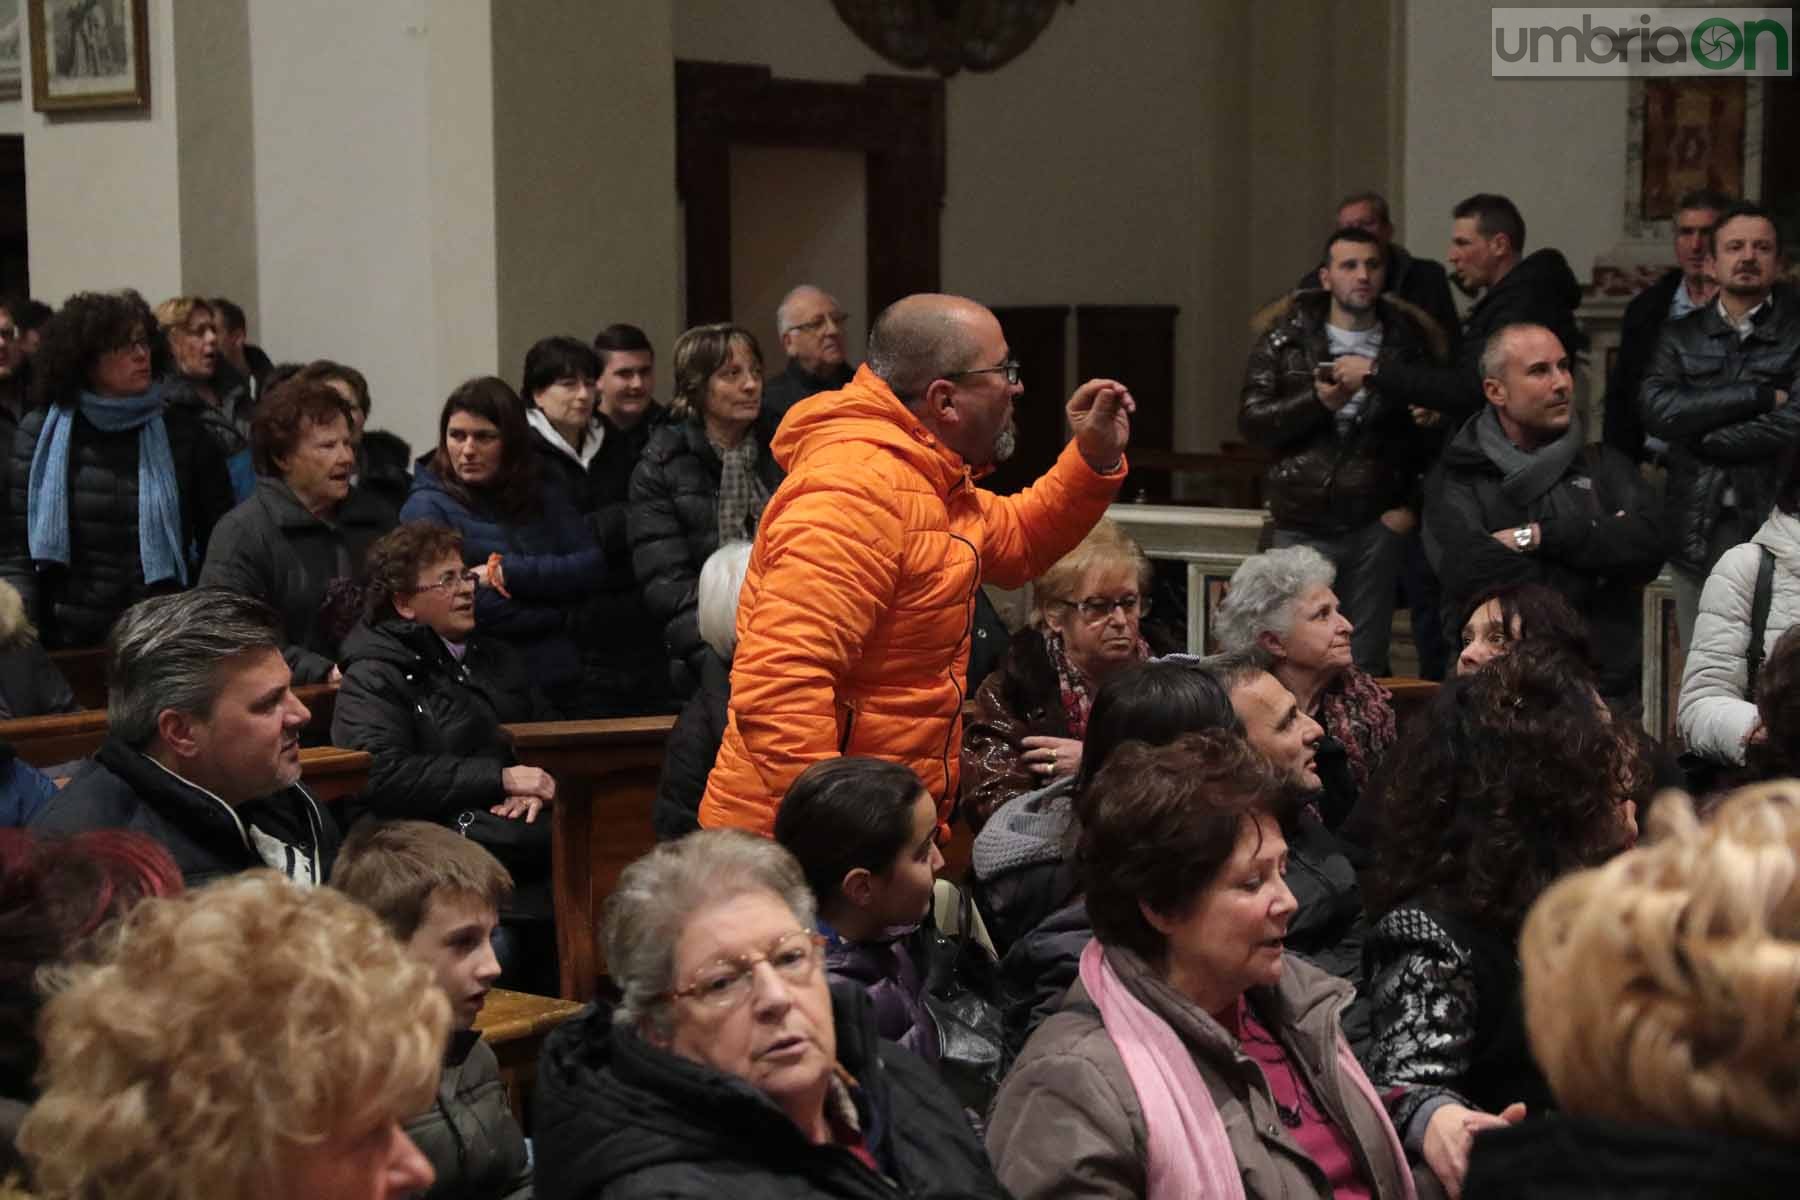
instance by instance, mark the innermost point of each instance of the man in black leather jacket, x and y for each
(1717, 391)
(1683, 288)
(1349, 458)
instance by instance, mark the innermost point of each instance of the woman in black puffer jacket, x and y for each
(114, 490)
(704, 479)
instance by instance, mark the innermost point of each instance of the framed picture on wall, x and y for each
(89, 54)
(12, 29)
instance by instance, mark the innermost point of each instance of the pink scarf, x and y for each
(1189, 1154)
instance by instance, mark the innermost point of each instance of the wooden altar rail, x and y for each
(64, 737)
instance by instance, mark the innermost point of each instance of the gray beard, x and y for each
(1005, 444)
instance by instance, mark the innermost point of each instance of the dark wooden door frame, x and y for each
(897, 122)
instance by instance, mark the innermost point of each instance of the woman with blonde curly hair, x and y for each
(1660, 995)
(251, 1039)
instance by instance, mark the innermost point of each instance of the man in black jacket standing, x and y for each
(1420, 282)
(203, 753)
(811, 323)
(1717, 391)
(1487, 255)
(1349, 457)
(1683, 288)
(1519, 498)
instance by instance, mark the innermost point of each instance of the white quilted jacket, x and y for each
(1712, 714)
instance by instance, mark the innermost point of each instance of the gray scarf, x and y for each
(742, 494)
(1530, 477)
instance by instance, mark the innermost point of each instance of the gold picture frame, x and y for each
(89, 55)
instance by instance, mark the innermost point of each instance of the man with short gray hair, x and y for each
(812, 325)
(1520, 497)
(203, 749)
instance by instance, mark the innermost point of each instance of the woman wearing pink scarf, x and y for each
(1194, 1059)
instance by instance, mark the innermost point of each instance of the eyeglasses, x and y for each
(1009, 368)
(727, 983)
(449, 580)
(817, 324)
(1095, 609)
(136, 345)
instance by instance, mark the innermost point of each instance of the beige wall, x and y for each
(1109, 163)
(797, 216)
(584, 166)
(217, 155)
(103, 189)
(1555, 146)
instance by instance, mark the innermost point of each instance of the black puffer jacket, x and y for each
(1712, 398)
(1329, 480)
(692, 747)
(272, 548)
(1541, 290)
(120, 788)
(619, 1118)
(75, 605)
(431, 723)
(1599, 562)
(674, 522)
(469, 1133)
(796, 383)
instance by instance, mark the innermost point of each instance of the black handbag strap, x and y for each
(1759, 620)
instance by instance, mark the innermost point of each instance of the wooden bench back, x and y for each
(64, 737)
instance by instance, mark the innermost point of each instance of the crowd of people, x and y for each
(1231, 926)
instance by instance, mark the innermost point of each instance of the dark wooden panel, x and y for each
(1135, 344)
(1037, 335)
(897, 122)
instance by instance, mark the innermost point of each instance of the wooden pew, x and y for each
(64, 737)
(1411, 697)
(333, 775)
(515, 1024)
(606, 773)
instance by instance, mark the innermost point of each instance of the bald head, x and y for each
(924, 337)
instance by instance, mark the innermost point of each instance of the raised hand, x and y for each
(1100, 414)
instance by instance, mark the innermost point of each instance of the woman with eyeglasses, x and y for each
(298, 543)
(425, 694)
(537, 560)
(1032, 711)
(729, 1065)
(703, 480)
(1281, 608)
(114, 491)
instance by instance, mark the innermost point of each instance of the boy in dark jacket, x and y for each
(440, 895)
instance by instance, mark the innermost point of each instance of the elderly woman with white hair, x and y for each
(694, 742)
(729, 1065)
(1280, 606)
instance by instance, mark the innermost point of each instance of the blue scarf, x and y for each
(159, 493)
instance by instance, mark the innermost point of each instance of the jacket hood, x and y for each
(611, 1104)
(403, 644)
(865, 415)
(1545, 271)
(1313, 305)
(1781, 534)
(1026, 830)
(358, 508)
(1464, 447)
(549, 437)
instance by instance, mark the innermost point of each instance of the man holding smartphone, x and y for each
(1349, 457)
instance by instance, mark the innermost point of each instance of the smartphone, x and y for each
(1325, 372)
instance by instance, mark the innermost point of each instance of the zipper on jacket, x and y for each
(967, 637)
(849, 728)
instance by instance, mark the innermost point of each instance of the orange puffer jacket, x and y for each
(853, 624)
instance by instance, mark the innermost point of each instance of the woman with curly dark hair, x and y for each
(114, 490)
(535, 558)
(1516, 776)
(1496, 618)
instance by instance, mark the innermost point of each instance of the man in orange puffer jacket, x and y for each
(853, 624)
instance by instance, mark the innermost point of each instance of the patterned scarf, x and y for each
(1077, 691)
(742, 493)
(1359, 712)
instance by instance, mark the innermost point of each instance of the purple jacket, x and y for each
(896, 987)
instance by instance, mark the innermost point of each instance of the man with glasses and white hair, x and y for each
(854, 620)
(813, 328)
(203, 747)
